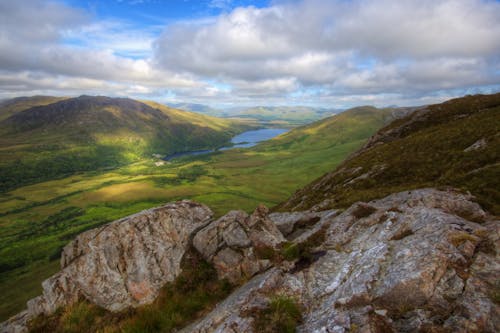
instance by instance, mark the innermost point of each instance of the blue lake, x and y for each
(251, 138)
(243, 140)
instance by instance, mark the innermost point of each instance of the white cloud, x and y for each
(355, 47)
(310, 51)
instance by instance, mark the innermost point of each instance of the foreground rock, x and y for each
(233, 242)
(121, 264)
(415, 261)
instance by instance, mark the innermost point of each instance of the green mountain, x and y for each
(87, 133)
(455, 143)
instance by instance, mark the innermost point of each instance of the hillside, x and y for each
(14, 105)
(87, 133)
(455, 143)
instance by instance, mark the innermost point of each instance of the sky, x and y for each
(225, 53)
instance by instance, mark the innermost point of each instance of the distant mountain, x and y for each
(455, 143)
(288, 116)
(199, 108)
(294, 115)
(87, 132)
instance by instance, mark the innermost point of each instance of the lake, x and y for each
(251, 138)
(244, 140)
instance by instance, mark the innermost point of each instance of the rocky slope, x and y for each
(449, 144)
(423, 260)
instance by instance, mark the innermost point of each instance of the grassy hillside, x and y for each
(37, 220)
(12, 106)
(87, 133)
(456, 143)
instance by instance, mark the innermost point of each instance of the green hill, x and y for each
(88, 133)
(455, 143)
(12, 106)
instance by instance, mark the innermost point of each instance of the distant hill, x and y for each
(287, 116)
(87, 132)
(298, 115)
(455, 143)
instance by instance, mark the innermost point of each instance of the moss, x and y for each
(459, 238)
(282, 315)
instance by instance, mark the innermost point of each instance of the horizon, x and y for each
(230, 54)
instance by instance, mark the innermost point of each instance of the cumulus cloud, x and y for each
(355, 47)
(309, 51)
(49, 46)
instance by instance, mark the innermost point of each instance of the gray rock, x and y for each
(230, 243)
(289, 222)
(415, 263)
(122, 264)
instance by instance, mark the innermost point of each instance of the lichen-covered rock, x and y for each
(231, 242)
(124, 263)
(422, 260)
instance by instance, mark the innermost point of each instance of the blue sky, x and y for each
(224, 53)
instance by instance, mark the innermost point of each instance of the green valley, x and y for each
(38, 219)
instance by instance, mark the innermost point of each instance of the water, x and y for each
(251, 138)
(243, 140)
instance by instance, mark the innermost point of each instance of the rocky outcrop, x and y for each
(294, 224)
(423, 260)
(121, 264)
(232, 243)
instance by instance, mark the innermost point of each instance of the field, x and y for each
(38, 220)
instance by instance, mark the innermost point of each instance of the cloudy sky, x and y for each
(332, 53)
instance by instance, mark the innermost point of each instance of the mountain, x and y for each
(455, 143)
(285, 116)
(87, 133)
(198, 108)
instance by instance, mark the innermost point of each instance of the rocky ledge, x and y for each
(422, 260)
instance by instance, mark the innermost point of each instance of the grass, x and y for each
(194, 292)
(281, 315)
(235, 179)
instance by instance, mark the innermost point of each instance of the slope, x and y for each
(87, 133)
(11, 106)
(455, 143)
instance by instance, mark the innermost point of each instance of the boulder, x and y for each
(233, 241)
(121, 264)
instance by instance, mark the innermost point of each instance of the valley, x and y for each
(38, 220)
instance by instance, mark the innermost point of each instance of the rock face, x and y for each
(232, 243)
(123, 263)
(415, 261)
